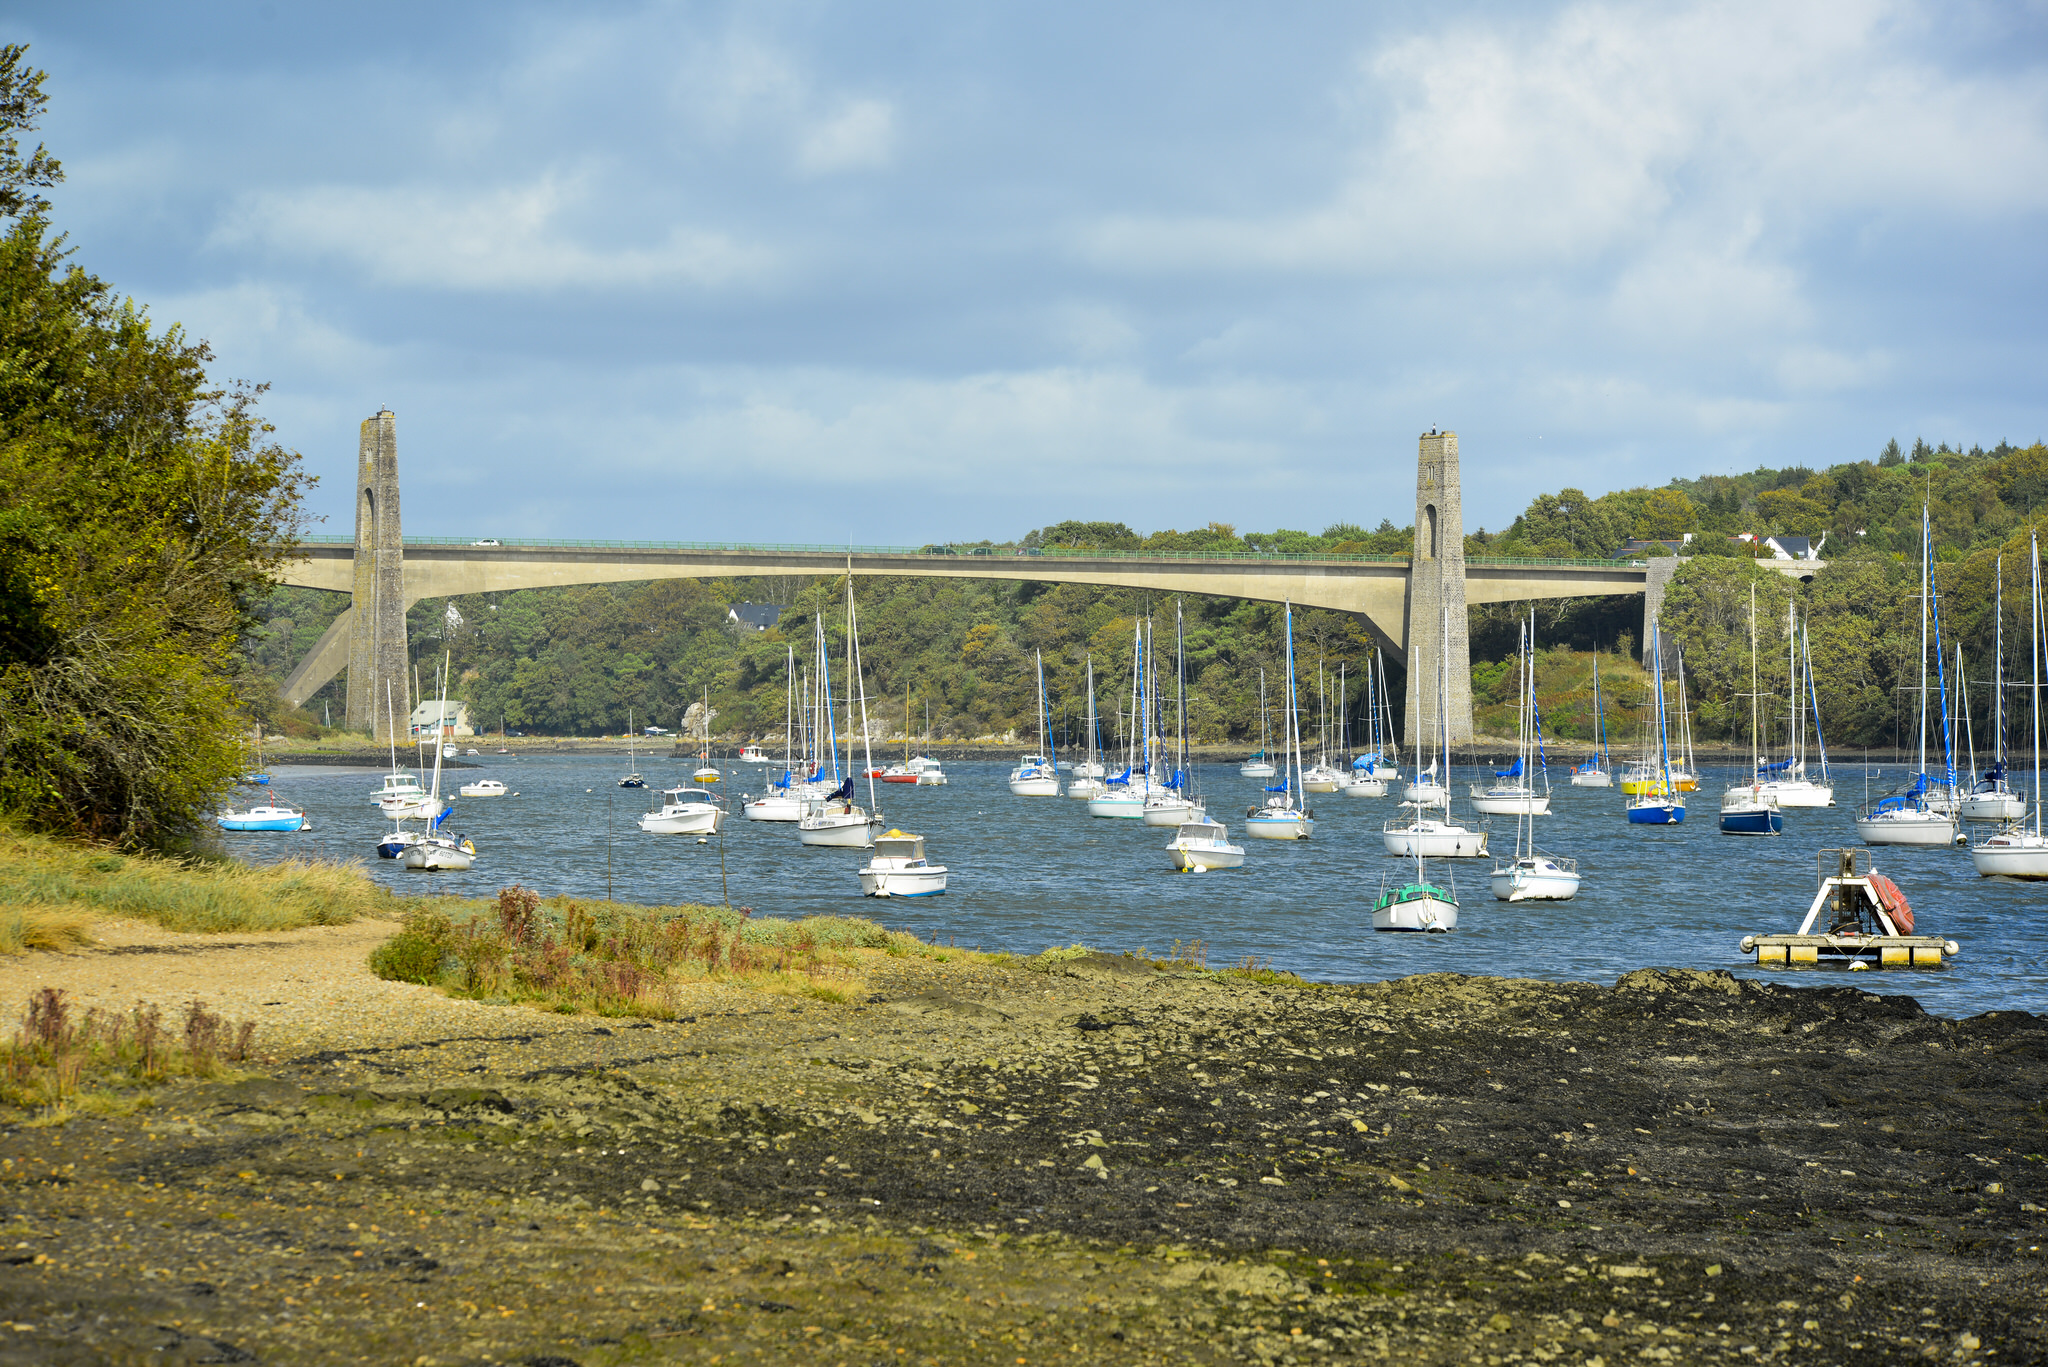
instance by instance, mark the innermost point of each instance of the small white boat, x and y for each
(1433, 838)
(397, 842)
(1121, 800)
(931, 775)
(1199, 846)
(836, 823)
(439, 854)
(484, 787)
(1509, 799)
(778, 806)
(1323, 778)
(706, 773)
(1424, 791)
(1279, 819)
(1417, 906)
(1992, 798)
(1799, 791)
(472, 751)
(899, 868)
(1537, 878)
(2014, 851)
(449, 752)
(1171, 807)
(267, 816)
(1034, 776)
(754, 754)
(1082, 789)
(1257, 768)
(1909, 818)
(1590, 775)
(1364, 785)
(684, 811)
(402, 788)
(1088, 768)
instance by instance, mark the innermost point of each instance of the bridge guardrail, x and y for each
(965, 552)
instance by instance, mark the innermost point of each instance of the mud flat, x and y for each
(1079, 1160)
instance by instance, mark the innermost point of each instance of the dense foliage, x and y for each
(142, 512)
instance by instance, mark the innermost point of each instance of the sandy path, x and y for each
(304, 988)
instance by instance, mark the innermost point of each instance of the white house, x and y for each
(452, 716)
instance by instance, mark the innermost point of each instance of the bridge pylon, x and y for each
(377, 647)
(1436, 599)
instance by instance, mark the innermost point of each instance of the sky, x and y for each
(891, 274)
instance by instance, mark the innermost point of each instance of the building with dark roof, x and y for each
(754, 616)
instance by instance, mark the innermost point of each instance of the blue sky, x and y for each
(892, 273)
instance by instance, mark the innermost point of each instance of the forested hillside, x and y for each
(573, 661)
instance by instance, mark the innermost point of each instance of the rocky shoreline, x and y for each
(1089, 1158)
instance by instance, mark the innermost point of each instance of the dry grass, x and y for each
(57, 1059)
(618, 959)
(51, 890)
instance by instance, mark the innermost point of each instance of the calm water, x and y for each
(1032, 872)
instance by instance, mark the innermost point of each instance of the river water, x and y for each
(1028, 873)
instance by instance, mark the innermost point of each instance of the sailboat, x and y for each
(1322, 776)
(1511, 793)
(1035, 775)
(399, 839)
(1372, 771)
(781, 802)
(434, 852)
(1991, 798)
(836, 820)
(632, 779)
(1124, 795)
(1922, 813)
(1168, 803)
(1662, 804)
(1787, 779)
(1422, 906)
(1421, 834)
(903, 772)
(1596, 772)
(1258, 766)
(1532, 875)
(1283, 817)
(1749, 808)
(2015, 851)
(706, 771)
(1087, 777)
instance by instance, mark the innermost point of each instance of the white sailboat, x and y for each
(1923, 813)
(1422, 835)
(1787, 781)
(835, 820)
(1512, 793)
(1123, 797)
(1322, 776)
(1991, 797)
(782, 801)
(1036, 775)
(1372, 771)
(1168, 802)
(1283, 817)
(1258, 766)
(1532, 875)
(632, 778)
(2014, 851)
(1598, 771)
(1086, 781)
(1420, 906)
(1748, 808)
(434, 852)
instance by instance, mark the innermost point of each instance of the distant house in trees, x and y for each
(1795, 547)
(754, 616)
(1635, 548)
(453, 717)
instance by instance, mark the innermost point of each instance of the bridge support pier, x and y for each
(1437, 601)
(376, 632)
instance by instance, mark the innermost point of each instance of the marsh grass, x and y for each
(616, 959)
(58, 1058)
(51, 890)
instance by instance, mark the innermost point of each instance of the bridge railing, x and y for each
(937, 551)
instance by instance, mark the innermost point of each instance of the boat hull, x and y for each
(1256, 771)
(1757, 821)
(1201, 856)
(1657, 814)
(836, 833)
(1512, 804)
(1035, 787)
(1117, 805)
(291, 822)
(1435, 840)
(1924, 828)
(1544, 882)
(1426, 915)
(1993, 807)
(1425, 794)
(706, 822)
(773, 809)
(1365, 787)
(1598, 779)
(2012, 856)
(428, 857)
(1084, 789)
(1797, 794)
(931, 778)
(925, 882)
(1290, 827)
(1167, 813)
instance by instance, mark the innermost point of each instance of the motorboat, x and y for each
(754, 754)
(266, 816)
(448, 751)
(439, 854)
(899, 868)
(1537, 877)
(1198, 846)
(484, 787)
(401, 788)
(931, 775)
(684, 811)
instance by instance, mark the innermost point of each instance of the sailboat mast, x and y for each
(2034, 639)
(853, 663)
(1998, 671)
(1293, 715)
(1180, 687)
(1752, 690)
(1922, 695)
(1820, 740)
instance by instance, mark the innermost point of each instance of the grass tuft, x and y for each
(58, 1059)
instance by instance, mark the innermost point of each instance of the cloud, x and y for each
(859, 137)
(1487, 147)
(512, 237)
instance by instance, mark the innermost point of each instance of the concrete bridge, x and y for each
(1405, 602)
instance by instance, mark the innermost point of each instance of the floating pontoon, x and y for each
(1869, 924)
